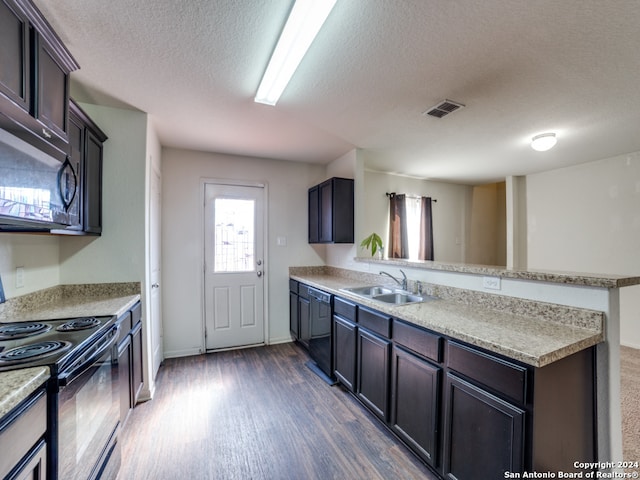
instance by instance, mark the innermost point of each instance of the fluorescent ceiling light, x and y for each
(543, 142)
(303, 24)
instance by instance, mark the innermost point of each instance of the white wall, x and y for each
(118, 255)
(38, 254)
(182, 246)
(586, 218)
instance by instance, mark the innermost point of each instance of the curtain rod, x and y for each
(435, 200)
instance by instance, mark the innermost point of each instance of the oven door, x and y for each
(88, 413)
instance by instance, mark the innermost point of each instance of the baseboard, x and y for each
(276, 341)
(182, 353)
(630, 345)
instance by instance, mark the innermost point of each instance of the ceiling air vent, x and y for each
(443, 108)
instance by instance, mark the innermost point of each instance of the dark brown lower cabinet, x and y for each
(124, 375)
(23, 452)
(468, 413)
(374, 354)
(484, 435)
(130, 364)
(415, 394)
(294, 320)
(136, 361)
(344, 358)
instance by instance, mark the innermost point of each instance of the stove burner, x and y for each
(79, 324)
(33, 351)
(15, 331)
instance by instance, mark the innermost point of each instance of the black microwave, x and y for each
(38, 189)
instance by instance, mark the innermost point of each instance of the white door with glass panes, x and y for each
(234, 265)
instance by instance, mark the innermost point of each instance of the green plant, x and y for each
(374, 242)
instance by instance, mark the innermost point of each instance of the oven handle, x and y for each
(83, 363)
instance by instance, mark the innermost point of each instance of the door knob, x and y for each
(259, 273)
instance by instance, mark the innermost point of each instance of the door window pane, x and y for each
(234, 242)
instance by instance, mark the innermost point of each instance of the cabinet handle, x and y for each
(259, 273)
(46, 133)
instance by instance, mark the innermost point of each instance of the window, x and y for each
(234, 241)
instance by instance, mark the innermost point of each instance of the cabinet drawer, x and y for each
(136, 314)
(293, 286)
(22, 433)
(125, 325)
(344, 308)
(419, 340)
(375, 321)
(504, 377)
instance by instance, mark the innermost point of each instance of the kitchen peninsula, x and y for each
(550, 340)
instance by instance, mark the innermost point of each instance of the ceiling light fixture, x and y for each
(304, 23)
(543, 142)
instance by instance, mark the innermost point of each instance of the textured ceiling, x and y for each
(521, 67)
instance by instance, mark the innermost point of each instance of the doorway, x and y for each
(234, 283)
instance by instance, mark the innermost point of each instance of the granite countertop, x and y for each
(534, 333)
(570, 278)
(16, 385)
(70, 301)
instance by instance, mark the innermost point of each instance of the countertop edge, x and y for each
(17, 385)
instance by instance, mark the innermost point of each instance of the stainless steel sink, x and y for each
(369, 291)
(388, 295)
(399, 298)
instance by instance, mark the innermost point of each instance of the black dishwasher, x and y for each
(320, 330)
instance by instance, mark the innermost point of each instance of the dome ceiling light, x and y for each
(543, 142)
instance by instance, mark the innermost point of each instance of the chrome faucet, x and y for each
(402, 283)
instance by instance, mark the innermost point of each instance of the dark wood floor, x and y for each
(257, 414)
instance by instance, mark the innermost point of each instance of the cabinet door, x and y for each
(344, 352)
(342, 205)
(326, 212)
(373, 372)
(136, 362)
(93, 184)
(124, 378)
(14, 55)
(53, 90)
(76, 157)
(304, 312)
(414, 402)
(484, 435)
(314, 212)
(294, 326)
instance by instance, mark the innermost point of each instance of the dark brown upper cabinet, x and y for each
(85, 155)
(331, 211)
(34, 77)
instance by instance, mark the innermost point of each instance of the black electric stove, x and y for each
(83, 398)
(51, 343)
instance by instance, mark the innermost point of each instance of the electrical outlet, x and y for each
(19, 277)
(491, 283)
